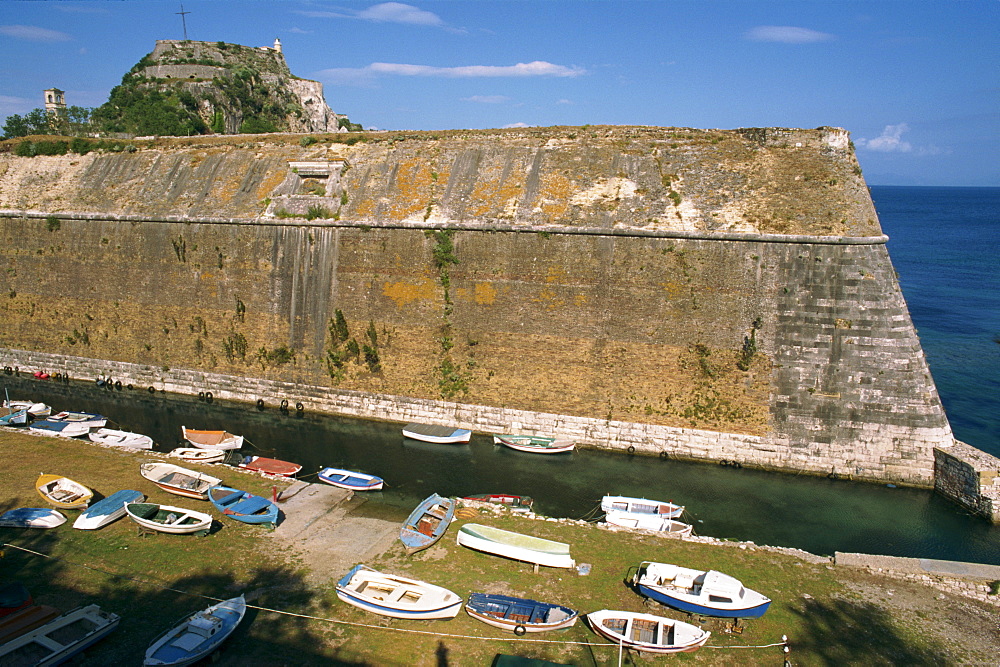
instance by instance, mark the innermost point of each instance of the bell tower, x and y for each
(55, 101)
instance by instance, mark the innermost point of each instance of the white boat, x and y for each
(115, 438)
(395, 596)
(88, 419)
(199, 455)
(34, 409)
(175, 479)
(197, 635)
(60, 639)
(654, 524)
(59, 428)
(646, 632)
(699, 591)
(527, 548)
(438, 434)
(212, 439)
(14, 418)
(169, 519)
(347, 479)
(641, 507)
(107, 510)
(536, 444)
(31, 517)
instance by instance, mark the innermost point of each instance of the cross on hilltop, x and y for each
(183, 20)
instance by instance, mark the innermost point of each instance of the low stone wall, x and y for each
(970, 477)
(633, 438)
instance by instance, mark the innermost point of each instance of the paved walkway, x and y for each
(320, 529)
(947, 568)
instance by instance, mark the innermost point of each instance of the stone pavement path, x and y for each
(320, 529)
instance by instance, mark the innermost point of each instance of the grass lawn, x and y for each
(152, 581)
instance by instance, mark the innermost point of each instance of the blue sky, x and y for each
(916, 83)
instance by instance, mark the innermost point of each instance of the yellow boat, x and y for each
(63, 492)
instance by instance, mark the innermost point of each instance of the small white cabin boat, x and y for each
(198, 635)
(699, 591)
(646, 632)
(395, 596)
(641, 507)
(116, 438)
(527, 548)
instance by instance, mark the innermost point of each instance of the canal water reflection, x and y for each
(815, 514)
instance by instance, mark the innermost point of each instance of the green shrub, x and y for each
(53, 224)
(318, 211)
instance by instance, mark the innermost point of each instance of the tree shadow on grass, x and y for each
(158, 602)
(842, 632)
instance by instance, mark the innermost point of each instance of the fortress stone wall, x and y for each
(704, 294)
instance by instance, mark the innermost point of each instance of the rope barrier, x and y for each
(337, 621)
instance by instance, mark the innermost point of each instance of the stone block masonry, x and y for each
(711, 295)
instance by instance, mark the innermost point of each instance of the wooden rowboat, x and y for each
(654, 524)
(347, 479)
(438, 434)
(270, 466)
(199, 455)
(115, 438)
(60, 639)
(107, 510)
(212, 439)
(243, 506)
(14, 418)
(31, 517)
(646, 632)
(63, 492)
(34, 409)
(527, 548)
(427, 523)
(519, 615)
(169, 519)
(395, 596)
(536, 444)
(88, 419)
(178, 480)
(198, 635)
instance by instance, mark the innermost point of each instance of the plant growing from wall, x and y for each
(749, 349)
(452, 380)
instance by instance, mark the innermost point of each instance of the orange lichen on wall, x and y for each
(485, 294)
(403, 292)
(554, 196)
(490, 195)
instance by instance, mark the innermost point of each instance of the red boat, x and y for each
(270, 466)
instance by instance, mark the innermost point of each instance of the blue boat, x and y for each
(18, 418)
(243, 506)
(709, 593)
(519, 615)
(31, 517)
(198, 635)
(107, 510)
(346, 479)
(55, 427)
(427, 523)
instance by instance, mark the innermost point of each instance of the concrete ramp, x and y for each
(320, 529)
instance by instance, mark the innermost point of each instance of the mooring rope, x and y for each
(338, 621)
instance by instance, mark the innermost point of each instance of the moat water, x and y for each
(943, 244)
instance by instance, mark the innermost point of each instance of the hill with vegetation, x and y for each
(187, 88)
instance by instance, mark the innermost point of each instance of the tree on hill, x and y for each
(72, 121)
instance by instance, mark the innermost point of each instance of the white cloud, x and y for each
(786, 34)
(386, 12)
(300, 31)
(33, 33)
(890, 141)
(515, 125)
(487, 99)
(564, 101)
(535, 68)
(363, 76)
(397, 12)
